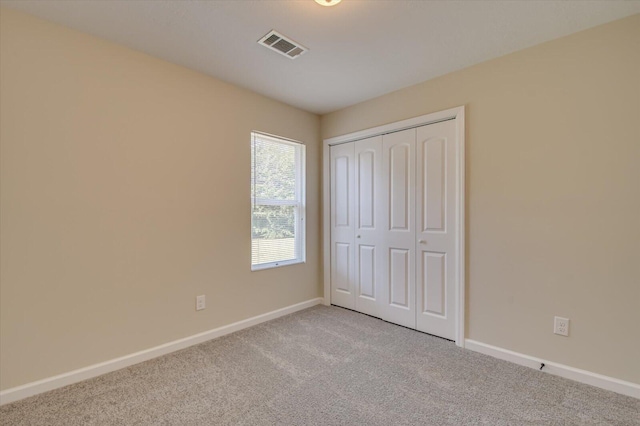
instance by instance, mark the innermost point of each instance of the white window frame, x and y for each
(299, 203)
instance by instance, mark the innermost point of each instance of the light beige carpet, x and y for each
(325, 366)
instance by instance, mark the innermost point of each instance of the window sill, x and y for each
(275, 265)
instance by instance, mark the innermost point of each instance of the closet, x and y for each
(395, 226)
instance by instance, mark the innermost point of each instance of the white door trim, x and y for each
(456, 114)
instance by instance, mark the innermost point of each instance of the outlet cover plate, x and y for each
(561, 326)
(200, 303)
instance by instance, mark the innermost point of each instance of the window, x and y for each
(277, 201)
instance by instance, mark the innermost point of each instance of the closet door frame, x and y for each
(457, 114)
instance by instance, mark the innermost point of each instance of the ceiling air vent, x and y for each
(283, 45)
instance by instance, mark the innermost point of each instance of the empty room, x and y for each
(319, 212)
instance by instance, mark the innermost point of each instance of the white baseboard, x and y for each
(44, 385)
(582, 376)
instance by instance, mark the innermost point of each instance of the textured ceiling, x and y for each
(358, 49)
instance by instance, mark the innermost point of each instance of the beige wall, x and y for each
(125, 193)
(553, 193)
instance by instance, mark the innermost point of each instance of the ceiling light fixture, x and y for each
(328, 2)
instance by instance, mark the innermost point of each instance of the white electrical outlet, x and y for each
(200, 303)
(561, 326)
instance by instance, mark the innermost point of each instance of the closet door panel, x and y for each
(368, 258)
(399, 277)
(366, 168)
(436, 234)
(342, 267)
(366, 275)
(342, 226)
(398, 232)
(399, 177)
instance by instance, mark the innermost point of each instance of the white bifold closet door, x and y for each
(393, 241)
(436, 253)
(342, 226)
(355, 225)
(368, 226)
(398, 243)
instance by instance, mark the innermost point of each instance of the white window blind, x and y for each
(277, 201)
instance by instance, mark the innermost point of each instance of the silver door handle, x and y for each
(357, 236)
(422, 241)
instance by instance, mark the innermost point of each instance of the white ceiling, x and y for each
(358, 49)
